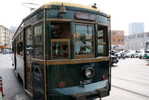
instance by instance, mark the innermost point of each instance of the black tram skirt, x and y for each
(94, 90)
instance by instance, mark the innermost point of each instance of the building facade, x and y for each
(117, 39)
(136, 41)
(136, 27)
(5, 37)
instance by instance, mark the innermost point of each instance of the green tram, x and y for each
(61, 52)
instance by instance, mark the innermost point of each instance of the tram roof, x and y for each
(48, 5)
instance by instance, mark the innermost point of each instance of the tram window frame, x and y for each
(20, 48)
(19, 44)
(101, 39)
(38, 43)
(62, 41)
(29, 40)
(76, 38)
(60, 30)
(62, 35)
(14, 46)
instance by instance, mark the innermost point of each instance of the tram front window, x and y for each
(102, 40)
(60, 41)
(60, 30)
(83, 40)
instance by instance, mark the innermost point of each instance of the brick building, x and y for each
(117, 39)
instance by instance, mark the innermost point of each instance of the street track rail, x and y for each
(130, 91)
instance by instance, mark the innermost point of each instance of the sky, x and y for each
(122, 12)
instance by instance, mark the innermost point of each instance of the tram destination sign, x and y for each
(85, 16)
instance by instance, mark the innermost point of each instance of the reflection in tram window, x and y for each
(61, 30)
(83, 39)
(60, 49)
(60, 40)
(101, 40)
(38, 41)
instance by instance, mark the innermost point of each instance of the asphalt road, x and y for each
(11, 86)
(130, 80)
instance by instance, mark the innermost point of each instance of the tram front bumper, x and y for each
(99, 93)
(94, 90)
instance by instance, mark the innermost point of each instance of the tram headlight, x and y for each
(89, 72)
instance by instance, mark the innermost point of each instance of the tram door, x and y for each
(28, 55)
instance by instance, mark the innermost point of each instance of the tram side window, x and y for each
(60, 49)
(60, 30)
(38, 41)
(29, 41)
(13, 47)
(60, 42)
(20, 48)
(102, 33)
(83, 40)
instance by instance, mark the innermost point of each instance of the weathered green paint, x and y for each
(72, 74)
(38, 81)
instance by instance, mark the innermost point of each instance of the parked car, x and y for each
(130, 54)
(141, 54)
(7, 51)
(121, 54)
